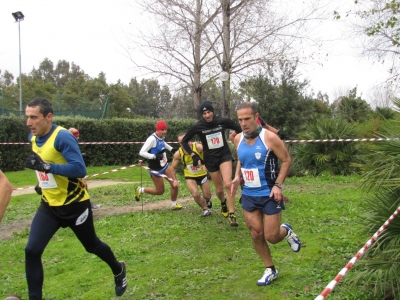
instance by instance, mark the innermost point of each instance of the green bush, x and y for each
(14, 130)
(327, 157)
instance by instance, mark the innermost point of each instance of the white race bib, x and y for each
(46, 180)
(215, 140)
(163, 162)
(194, 170)
(251, 177)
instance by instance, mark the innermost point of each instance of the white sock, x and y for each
(173, 203)
(141, 190)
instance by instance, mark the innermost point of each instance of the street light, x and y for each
(19, 16)
(224, 76)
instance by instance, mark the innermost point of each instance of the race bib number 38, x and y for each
(251, 177)
(215, 140)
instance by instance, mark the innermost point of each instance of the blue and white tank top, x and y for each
(259, 166)
(160, 145)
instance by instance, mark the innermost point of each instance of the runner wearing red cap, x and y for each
(154, 151)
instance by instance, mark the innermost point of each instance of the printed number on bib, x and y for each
(194, 170)
(163, 162)
(215, 140)
(251, 177)
(46, 180)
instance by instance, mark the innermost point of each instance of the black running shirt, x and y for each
(212, 136)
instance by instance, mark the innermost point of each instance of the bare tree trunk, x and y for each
(193, 44)
(197, 61)
(226, 57)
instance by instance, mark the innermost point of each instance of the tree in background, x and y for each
(195, 40)
(280, 97)
(180, 106)
(57, 75)
(332, 158)
(152, 99)
(70, 89)
(376, 27)
(352, 108)
(380, 266)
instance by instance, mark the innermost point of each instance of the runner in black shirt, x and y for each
(217, 155)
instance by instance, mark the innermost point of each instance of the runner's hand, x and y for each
(34, 162)
(159, 156)
(38, 189)
(196, 160)
(234, 185)
(281, 135)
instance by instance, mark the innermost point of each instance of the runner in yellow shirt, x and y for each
(194, 176)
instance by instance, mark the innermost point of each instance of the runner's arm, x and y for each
(5, 195)
(176, 159)
(236, 180)
(150, 143)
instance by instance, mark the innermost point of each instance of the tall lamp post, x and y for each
(224, 76)
(19, 16)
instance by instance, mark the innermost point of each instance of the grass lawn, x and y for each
(179, 255)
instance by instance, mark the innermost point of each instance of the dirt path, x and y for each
(7, 229)
(91, 183)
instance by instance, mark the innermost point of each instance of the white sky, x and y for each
(91, 34)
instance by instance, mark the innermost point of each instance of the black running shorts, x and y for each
(212, 163)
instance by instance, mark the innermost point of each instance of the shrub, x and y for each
(327, 157)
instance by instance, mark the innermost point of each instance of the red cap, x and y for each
(161, 125)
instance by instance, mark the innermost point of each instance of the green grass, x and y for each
(179, 255)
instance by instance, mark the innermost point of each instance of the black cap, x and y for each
(206, 105)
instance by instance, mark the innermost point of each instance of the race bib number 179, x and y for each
(215, 140)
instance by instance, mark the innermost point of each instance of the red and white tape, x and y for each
(23, 188)
(341, 140)
(91, 143)
(131, 166)
(112, 171)
(156, 173)
(343, 272)
(286, 141)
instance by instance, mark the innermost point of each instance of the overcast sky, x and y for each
(91, 34)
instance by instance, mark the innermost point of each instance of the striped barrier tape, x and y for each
(91, 143)
(23, 188)
(131, 166)
(341, 140)
(343, 272)
(111, 171)
(156, 173)
(286, 141)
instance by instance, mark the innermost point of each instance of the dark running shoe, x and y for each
(224, 209)
(232, 220)
(121, 283)
(209, 203)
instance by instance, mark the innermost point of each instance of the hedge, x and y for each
(13, 129)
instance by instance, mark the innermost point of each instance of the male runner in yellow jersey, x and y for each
(194, 176)
(59, 166)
